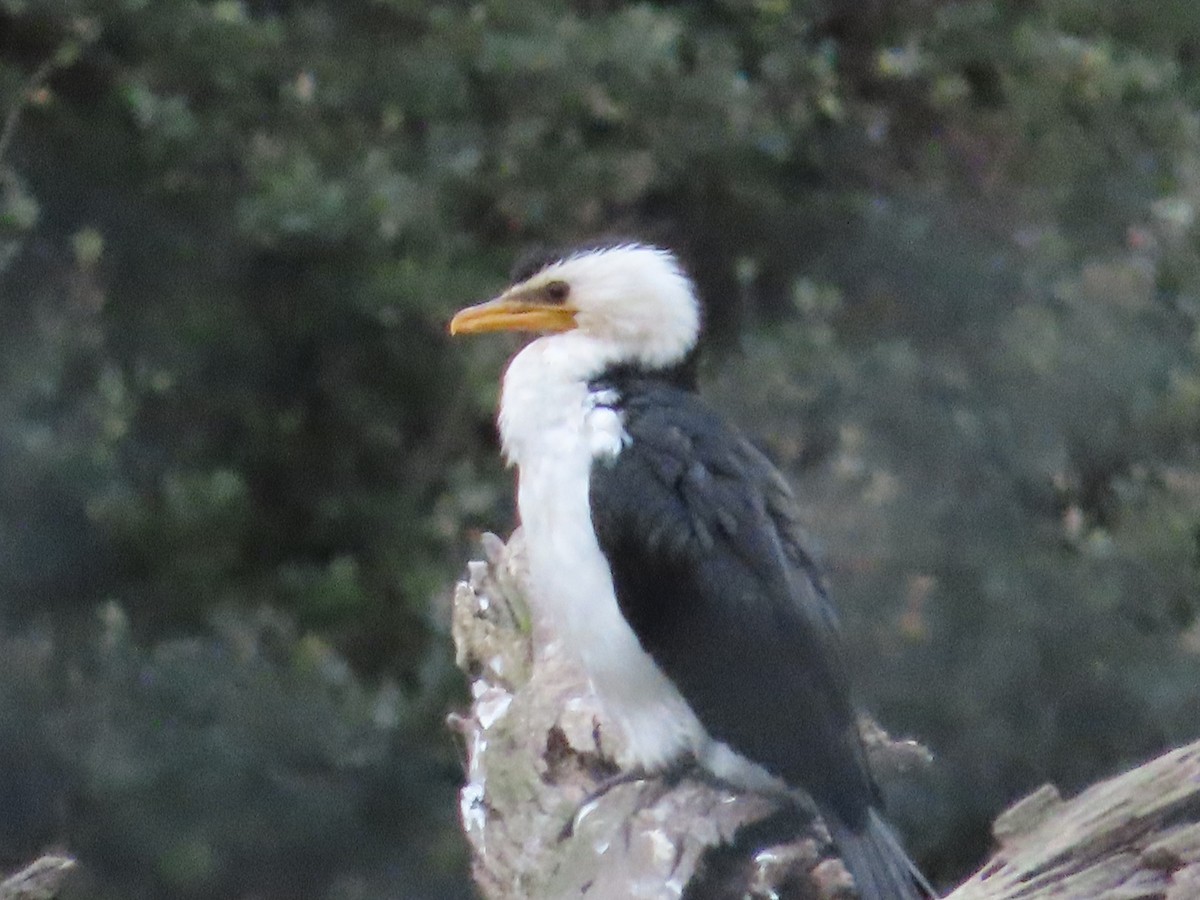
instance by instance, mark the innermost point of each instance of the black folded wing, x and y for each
(701, 533)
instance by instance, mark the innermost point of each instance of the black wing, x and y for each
(702, 536)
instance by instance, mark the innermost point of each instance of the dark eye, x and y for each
(557, 291)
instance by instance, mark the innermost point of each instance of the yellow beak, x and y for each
(513, 313)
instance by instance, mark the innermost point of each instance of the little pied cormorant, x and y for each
(664, 549)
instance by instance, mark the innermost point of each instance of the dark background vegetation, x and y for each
(954, 274)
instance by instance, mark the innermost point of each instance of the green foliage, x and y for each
(247, 759)
(955, 284)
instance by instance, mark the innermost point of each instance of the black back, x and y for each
(702, 535)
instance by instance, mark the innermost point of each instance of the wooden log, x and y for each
(42, 879)
(537, 748)
(1131, 837)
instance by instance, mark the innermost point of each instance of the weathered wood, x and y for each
(1134, 836)
(537, 748)
(42, 879)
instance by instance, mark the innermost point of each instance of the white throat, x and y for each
(544, 400)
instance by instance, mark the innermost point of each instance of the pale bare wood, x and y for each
(42, 879)
(1133, 836)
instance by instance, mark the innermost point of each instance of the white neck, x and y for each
(544, 403)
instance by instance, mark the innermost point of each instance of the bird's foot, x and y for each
(627, 777)
(664, 781)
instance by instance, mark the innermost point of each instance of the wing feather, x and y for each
(702, 535)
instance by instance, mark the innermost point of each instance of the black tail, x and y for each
(873, 856)
(879, 865)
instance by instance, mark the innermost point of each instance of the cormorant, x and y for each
(665, 549)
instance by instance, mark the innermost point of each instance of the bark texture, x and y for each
(538, 750)
(1133, 836)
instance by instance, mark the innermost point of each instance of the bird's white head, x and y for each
(633, 300)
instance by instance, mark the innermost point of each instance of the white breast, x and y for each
(553, 429)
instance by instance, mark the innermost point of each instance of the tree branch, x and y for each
(42, 879)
